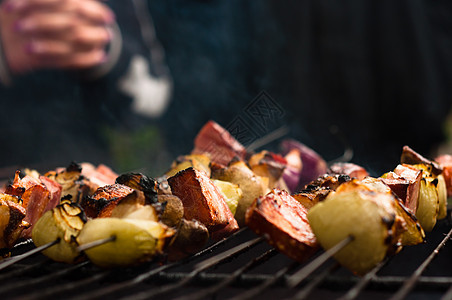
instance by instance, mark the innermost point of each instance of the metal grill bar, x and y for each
(215, 288)
(266, 284)
(198, 269)
(353, 292)
(302, 294)
(298, 277)
(70, 286)
(26, 284)
(144, 276)
(19, 286)
(408, 286)
(22, 270)
(8, 262)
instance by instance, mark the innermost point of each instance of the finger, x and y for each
(22, 6)
(95, 12)
(48, 49)
(85, 37)
(90, 10)
(83, 60)
(45, 23)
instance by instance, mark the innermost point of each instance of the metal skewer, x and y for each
(7, 262)
(95, 243)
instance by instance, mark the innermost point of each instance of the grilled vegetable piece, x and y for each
(405, 182)
(203, 201)
(282, 220)
(200, 162)
(313, 164)
(432, 197)
(363, 212)
(445, 161)
(133, 206)
(318, 189)
(411, 157)
(62, 223)
(12, 223)
(36, 198)
(442, 197)
(104, 200)
(232, 193)
(270, 165)
(292, 172)
(413, 233)
(252, 186)
(173, 210)
(136, 241)
(73, 183)
(190, 238)
(350, 169)
(218, 143)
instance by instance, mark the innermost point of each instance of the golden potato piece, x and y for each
(136, 241)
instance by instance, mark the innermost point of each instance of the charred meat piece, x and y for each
(37, 199)
(12, 222)
(319, 189)
(218, 143)
(405, 182)
(282, 220)
(100, 175)
(203, 201)
(141, 182)
(350, 169)
(104, 200)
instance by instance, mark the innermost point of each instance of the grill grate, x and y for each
(242, 266)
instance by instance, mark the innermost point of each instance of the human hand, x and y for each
(44, 34)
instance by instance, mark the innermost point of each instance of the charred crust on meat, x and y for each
(142, 183)
(74, 167)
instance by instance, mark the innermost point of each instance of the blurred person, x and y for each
(73, 74)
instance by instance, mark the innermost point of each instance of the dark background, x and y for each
(377, 71)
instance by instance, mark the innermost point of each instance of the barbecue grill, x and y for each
(242, 266)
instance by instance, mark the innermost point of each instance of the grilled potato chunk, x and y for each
(200, 162)
(62, 223)
(365, 214)
(136, 241)
(252, 186)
